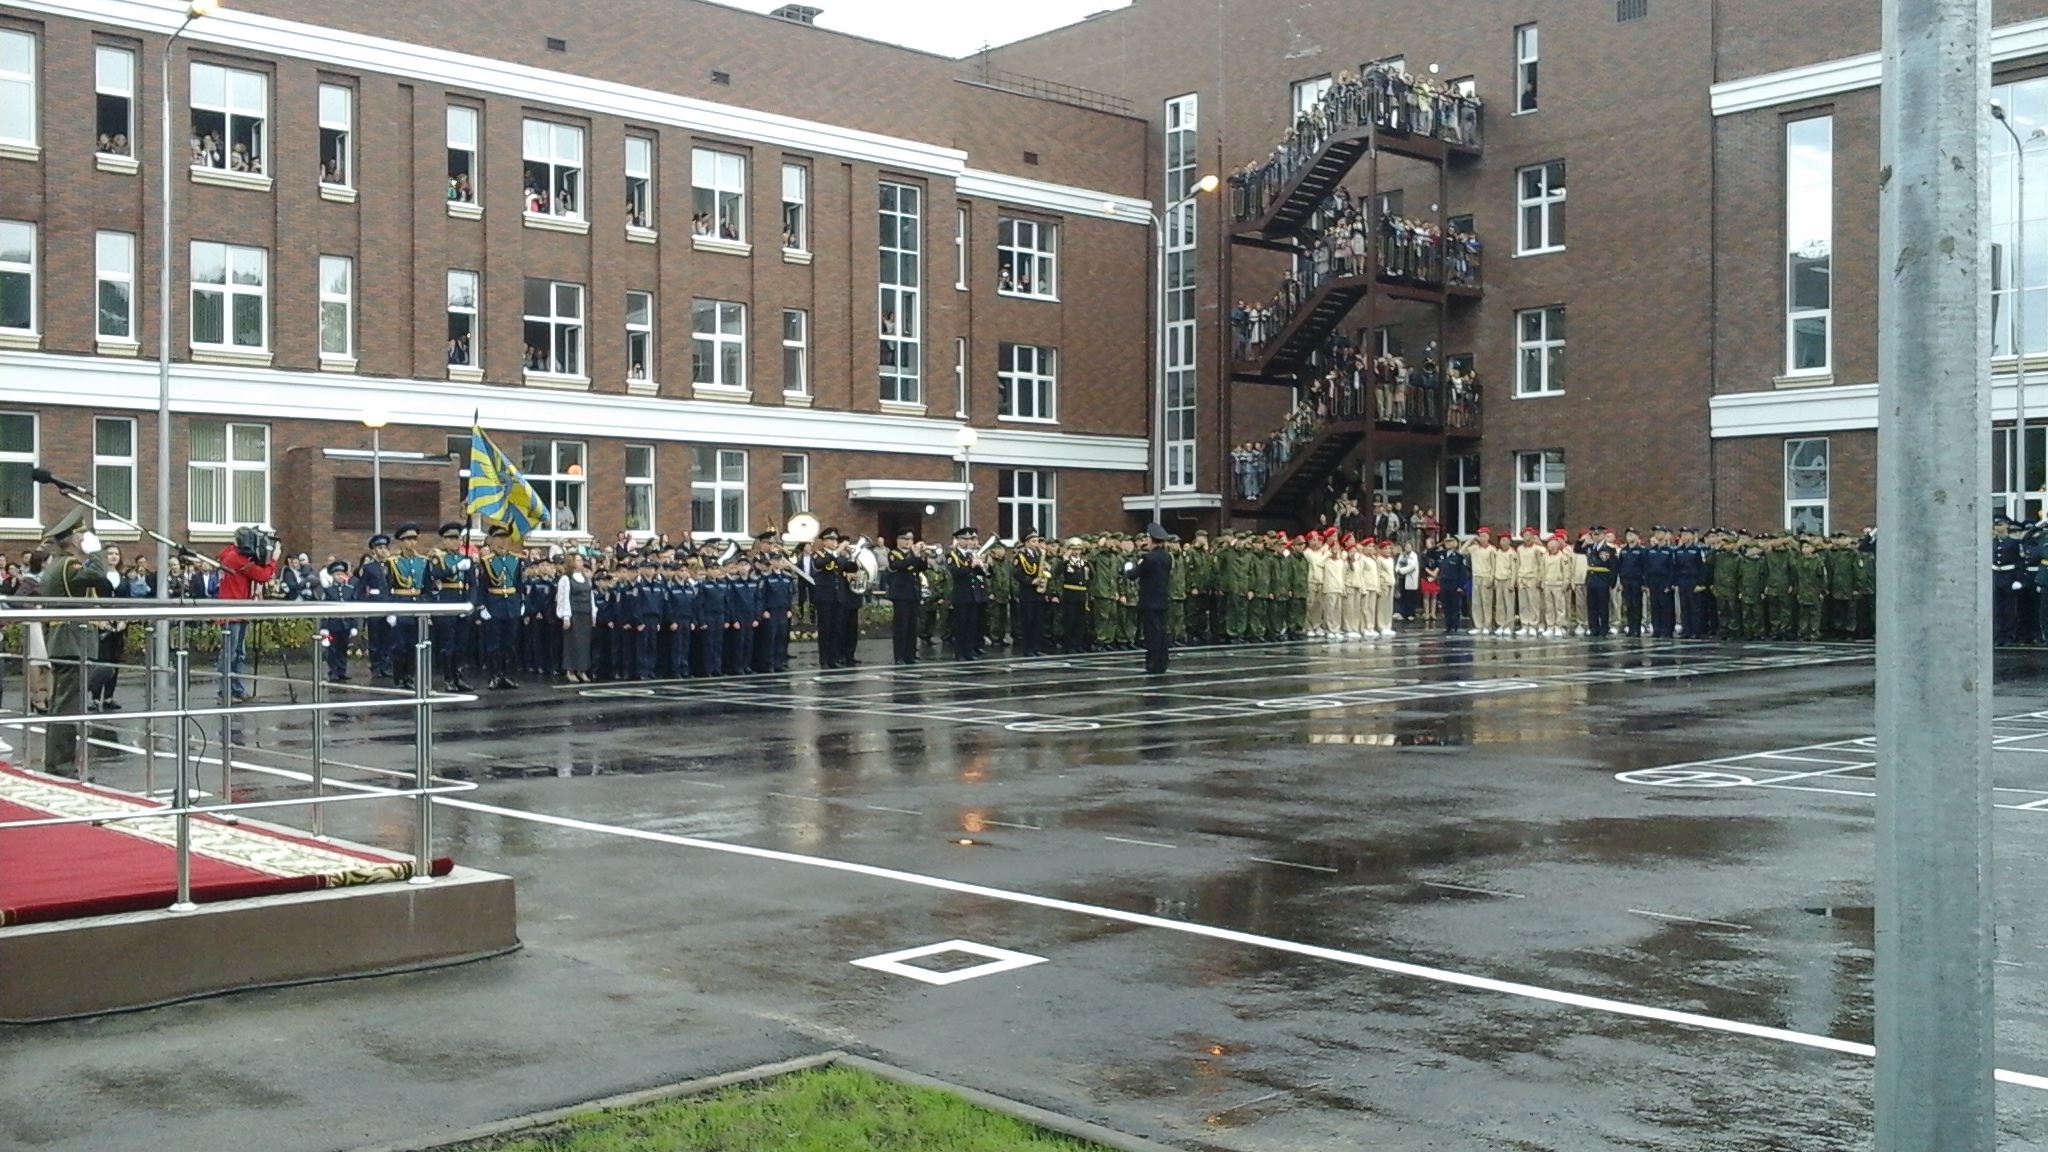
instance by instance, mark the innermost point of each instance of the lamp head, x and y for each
(198, 8)
(1997, 110)
(966, 437)
(1207, 183)
(376, 418)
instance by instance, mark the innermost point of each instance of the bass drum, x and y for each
(803, 528)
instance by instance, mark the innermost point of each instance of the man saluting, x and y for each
(1153, 570)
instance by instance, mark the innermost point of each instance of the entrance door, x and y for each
(891, 520)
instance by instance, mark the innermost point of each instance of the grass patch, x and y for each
(831, 1109)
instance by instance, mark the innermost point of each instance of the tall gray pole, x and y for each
(1159, 366)
(1934, 1023)
(2019, 314)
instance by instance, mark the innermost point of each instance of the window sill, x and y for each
(728, 247)
(1536, 252)
(1027, 420)
(719, 392)
(110, 532)
(22, 341)
(331, 363)
(641, 235)
(569, 224)
(214, 535)
(795, 256)
(29, 152)
(796, 399)
(338, 193)
(253, 181)
(230, 356)
(1803, 380)
(465, 373)
(462, 210)
(557, 381)
(1027, 296)
(643, 388)
(898, 408)
(106, 347)
(558, 535)
(120, 165)
(1538, 395)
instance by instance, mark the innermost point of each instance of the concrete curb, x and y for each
(1040, 1117)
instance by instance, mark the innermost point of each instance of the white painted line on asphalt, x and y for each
(1469, 888)
(794, 796)
(1689, 919)
(886, 808)
(1231, 935)
(999, 960)
(1145, 843)
(1291, 864)
(1008, 824)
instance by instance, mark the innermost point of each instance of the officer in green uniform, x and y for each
(1259, 581)
(1724, 576)
(73, 571)
(1780, 609)
(1002, 592)
(1177, 594)
(1809, 588)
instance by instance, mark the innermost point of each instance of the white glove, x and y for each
(90, 541)
(2015, 585)
(463, 564)
(326, 580)
(483, 614)
(391, 620)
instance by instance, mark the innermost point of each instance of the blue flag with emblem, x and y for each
(497, 491)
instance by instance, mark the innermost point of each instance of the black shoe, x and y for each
(109, 706)
(404, 682)
(458, 684)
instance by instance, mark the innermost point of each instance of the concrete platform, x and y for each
(139, 959)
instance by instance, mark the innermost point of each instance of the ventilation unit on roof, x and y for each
(800, 13)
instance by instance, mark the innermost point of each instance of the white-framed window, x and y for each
(1525, 68)
(639, 335)
(639, 182)
(463, 351)
(961, 238)
(1180, 163)
(1027, 258)
(230, 297)
(718, 183)
(1539, 491)
(1024, 502)
(796, 484)
(17, 276)
(229, 475)
(554, 327)
(1027, 379)
(2009, 496)
(337, 120)
(900, 299)
(463, 173)
(113, 84)
(113, 465)
(1539, 347)
(114, 286)
(1809, 243)
(1806, 485)
(718, 344)
(1540, 196)
(337, 307)
(1304, 95)
(796, 352)
(19, 440)
(17, 87)
(2022, 100)
(559, 471)
(230, 107)
(960, 378)
(1461, 496)
(718, 493)
(553, 155)
(796, 208)
(640, 489)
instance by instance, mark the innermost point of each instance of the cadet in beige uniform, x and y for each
(1479, 552)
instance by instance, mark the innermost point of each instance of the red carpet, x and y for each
(74, 870)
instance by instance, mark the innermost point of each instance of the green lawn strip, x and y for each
(832, 1109)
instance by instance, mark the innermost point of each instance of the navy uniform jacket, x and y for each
(605, 600)
(746, 599)
(373, 580)
(830, 571)
(901, 582)
(501, 585)
(447, 580)
(778, 592)
(537, 598)
(1688, 566)
(1628, 563)
(337, 593)
(1659, 565)
(681, 610)
(1153, 571)
(970, 581)
(1454, 571)
(1601, 561)
(714, 603)
(2005, 563)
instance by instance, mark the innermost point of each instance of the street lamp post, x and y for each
(1205, 184)
(965, 439)
(375, 421)
(2019, 296)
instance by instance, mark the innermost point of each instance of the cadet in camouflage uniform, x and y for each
(1177, 595)
(1755, 577)
(1200, 561)
(1233, 589)
(932, 624)
(1780, 609)
(1104, 577)
(1842, 589)
(1809, 589)
(1002, 592)
(1294, 577)
(1724, 568)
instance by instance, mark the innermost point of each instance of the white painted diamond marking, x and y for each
(1000, 960)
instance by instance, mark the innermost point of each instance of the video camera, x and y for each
(255, 543)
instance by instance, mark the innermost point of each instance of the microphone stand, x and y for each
(90, 499)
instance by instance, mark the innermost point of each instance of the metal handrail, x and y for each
(420, 784)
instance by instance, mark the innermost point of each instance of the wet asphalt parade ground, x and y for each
(1426, 893)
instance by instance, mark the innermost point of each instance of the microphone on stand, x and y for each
(43, 476)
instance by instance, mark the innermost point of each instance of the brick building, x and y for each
(695, 269)
(1719, 274)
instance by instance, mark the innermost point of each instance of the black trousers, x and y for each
(1074, 623)
(1632, 605)
(1662, 614)
(1599, 605)
(1031, 625)
(967, 616)
(903, 630)
(1452, 602)
(848, 630)
(829, 642)
(1152, 630)
(1691, 616)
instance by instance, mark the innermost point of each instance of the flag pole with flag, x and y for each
(496, 489)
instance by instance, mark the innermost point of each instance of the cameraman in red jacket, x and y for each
(245, 567)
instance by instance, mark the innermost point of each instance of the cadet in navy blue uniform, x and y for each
(1453, 578)
(450, 576)
(746, 618)
(1660, 563)
(373, 587)
(536, 619)
(335, 589)
(1628, 570)
(1689, 577)
(642, 604)
(2006, 583)
(678, 617)
(1602, 560)
(714, 619)
(778, 599)
(604, 646)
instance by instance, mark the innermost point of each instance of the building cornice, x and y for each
(1810, 82)
(249, 32)
(47, 379)
(1845, 408)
